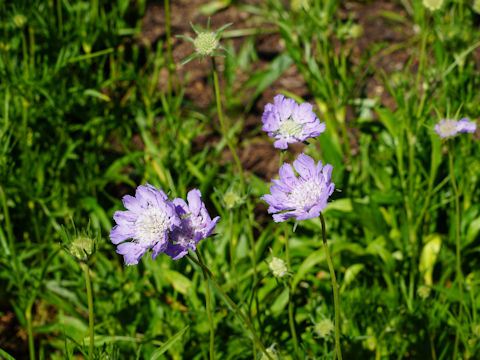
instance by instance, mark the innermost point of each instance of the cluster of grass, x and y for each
(76, 87)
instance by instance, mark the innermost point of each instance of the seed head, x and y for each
(19, 20)
(324, 328)
(433, 5)
(277, 267)
(206, 43)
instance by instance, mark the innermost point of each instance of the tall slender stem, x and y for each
(224, 129)
(209, 310)
(458, 249)
(335, 290)
(291, 319)
(234, 306)
(168, 31)
(88, 283)
(28, 318)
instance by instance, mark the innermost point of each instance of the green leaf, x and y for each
(178, 281)
(156, 354)
(350, 275)
(428, 257)
(6, 355)
(280, 302)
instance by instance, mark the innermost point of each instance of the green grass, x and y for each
(79, 93)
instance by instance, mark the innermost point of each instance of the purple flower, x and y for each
(288, 122)
(301, 197)
(195, 225)
(447, 128)
(147, 221)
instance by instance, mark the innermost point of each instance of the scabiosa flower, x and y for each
(301, 197)
(195, 225)
(147, 221)
(288, 122)
(447, 128)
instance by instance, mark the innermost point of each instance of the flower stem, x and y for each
(335, 290)
(234, 306)
(28, 318)
(457, 240)
(168, 32)
(291, 319)
(223, 127)
(209, 310)
(88, 283)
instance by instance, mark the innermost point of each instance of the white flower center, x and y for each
(150, 226)
(306, 194)
(290, 128)
(448, 128)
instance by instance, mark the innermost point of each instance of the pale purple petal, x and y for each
(132, 252)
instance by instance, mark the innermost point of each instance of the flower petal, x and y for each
(132, 252)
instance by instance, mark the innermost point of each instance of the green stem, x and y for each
(335, 290)
(168, 31)
(458, 249)
(291, 319)
(234, 306)
(224, 129)
(28, 318)
(209, 310)
(88, 283)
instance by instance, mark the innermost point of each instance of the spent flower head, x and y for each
(447, 128)
(195, 225)
(149, 217)
(302, 197)
(206, 43)
(289, 122)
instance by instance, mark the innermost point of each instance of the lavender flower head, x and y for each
(195, 225)
(447, 128)
(148, 219)
(302, 197)
(288, 122)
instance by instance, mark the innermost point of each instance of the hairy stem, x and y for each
(209, 310)
(88, 283)
(458, 249)
(335, 290)
(233, 306)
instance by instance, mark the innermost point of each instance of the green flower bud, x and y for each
(423, 291)
(206, 43)
(81, 248)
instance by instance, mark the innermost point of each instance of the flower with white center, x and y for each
(148, 219)
(195, 225)
(447, 128)
(288, 122)
(302, 197)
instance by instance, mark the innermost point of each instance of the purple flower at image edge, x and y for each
(147, 221)
(447, 128)
(289, 122)
(195, 225)
(302, 197)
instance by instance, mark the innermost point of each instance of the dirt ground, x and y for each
(257, 154)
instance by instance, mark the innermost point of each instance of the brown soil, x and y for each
(257, 154)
